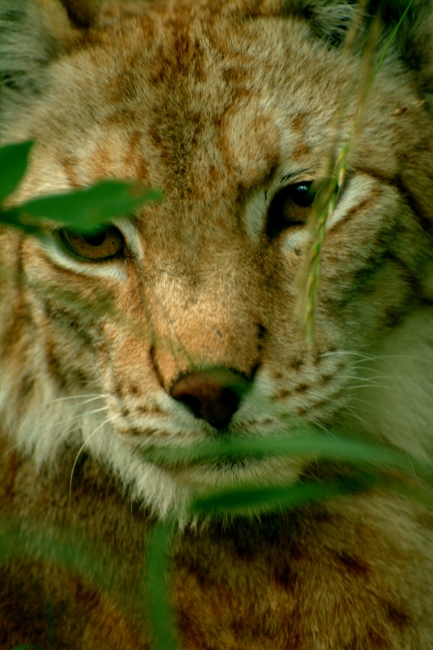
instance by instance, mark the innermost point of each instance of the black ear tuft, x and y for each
(26, 46)
(33, 33)
(330, 20)
(414, 38)
(83, 13)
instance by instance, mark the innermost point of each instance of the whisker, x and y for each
(346, 353)
(92, 396)
(81, 415)
(369, 404)
(413, 469)
(325, 429)
(364, 379)
(42, 422)
(370, 385)
(358, 417)
(81, 449)
(10, 450)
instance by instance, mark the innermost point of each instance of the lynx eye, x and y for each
(290, 207)
(103, 244)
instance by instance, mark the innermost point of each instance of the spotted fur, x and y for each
(220, 103)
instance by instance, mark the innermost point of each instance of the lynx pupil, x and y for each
(96, 239)
(302, 194)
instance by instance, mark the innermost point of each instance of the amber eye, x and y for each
(291, 206)
(101, 245)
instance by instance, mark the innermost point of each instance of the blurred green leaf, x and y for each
(14, 218)
(305, 443)
(275, 498)
(13, 164)
(161, 613)
(87, 209)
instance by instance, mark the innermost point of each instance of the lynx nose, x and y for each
(212, 396)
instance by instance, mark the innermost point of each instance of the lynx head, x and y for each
(177, 324)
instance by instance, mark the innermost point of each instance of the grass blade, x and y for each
(161, 613)
(276, 498)
(306, 444)
(327, 196)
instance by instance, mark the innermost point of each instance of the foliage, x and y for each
(85, 209)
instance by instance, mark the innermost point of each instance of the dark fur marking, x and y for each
(354, 564)
(26, 387)
(397, 183)
(72, 320)
(282, 394)
(134, 389)
(376, 640)
(397, 616)
(296, 364)
(286, 577)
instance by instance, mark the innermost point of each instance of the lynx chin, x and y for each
(229, 107)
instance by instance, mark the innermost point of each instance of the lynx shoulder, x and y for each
(178, 324)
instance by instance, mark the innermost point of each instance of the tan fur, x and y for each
(216, 103)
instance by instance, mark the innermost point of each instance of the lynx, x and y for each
(230, 108)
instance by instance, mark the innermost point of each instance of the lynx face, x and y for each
(178, 324)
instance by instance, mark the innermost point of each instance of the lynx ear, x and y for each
(33, 33)
(414, 39)
(413, 42)
(82, 13)
(328, 20)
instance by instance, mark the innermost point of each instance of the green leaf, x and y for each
(293, 443)
(161, 614)
(276, 498)
(13, 165)
(87, 209)
(15, 219)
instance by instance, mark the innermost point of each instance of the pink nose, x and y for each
(214, 397)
